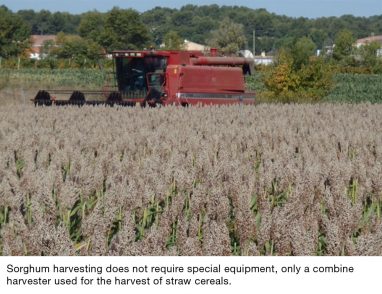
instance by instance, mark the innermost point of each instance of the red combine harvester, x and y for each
(153, 78)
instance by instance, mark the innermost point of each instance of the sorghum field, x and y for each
(263, 180)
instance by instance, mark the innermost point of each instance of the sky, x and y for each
(294, 8)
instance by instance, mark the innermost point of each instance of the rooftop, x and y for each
(369, 40)
(38, 40)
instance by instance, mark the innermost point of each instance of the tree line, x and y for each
(127, 28)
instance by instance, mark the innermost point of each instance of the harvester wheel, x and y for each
(77, 98)
(114, 98)
(42, 98)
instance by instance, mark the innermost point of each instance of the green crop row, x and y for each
(356, 88)
(47, 78)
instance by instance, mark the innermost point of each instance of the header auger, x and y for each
(152, 77)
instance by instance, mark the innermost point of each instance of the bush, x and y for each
(287, 83)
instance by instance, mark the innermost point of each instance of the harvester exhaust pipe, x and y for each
(214, 52)
(247, 63)
(204, 60)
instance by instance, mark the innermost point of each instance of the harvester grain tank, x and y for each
(153, 77)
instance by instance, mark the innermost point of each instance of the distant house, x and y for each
(368, 40)
(192, 46)
(38, 42)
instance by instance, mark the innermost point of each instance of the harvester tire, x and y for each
(114, 98)
(77, 98)
(42, 98)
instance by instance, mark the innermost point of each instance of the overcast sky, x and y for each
(295, 8)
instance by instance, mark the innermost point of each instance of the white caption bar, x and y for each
(189, 274)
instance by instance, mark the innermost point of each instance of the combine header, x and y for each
(153, 78)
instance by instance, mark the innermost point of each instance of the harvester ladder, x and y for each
(110, 82)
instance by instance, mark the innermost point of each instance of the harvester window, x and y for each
(132, 73)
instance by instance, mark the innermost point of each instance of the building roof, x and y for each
(37, 42)
(192, 46)
(369, 40)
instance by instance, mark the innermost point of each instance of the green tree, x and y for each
(318, 36)
(286, 83)
(281, 80)
(343, 47)
(172, 41)
(92, 26)
(158, 21)
(29, 17)
(124, 30)
(302, 50)
(78, 49)
(43, 22)
(369, 57)
(64, 22)
(315, 79)
(14, 34)
(229, 38)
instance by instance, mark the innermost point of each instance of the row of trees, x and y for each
(193, 23)
(96, 32)
(14, 34)
(271, 31)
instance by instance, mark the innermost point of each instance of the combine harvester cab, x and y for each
(153, 78)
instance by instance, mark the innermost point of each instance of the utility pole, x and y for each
(254, 41)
